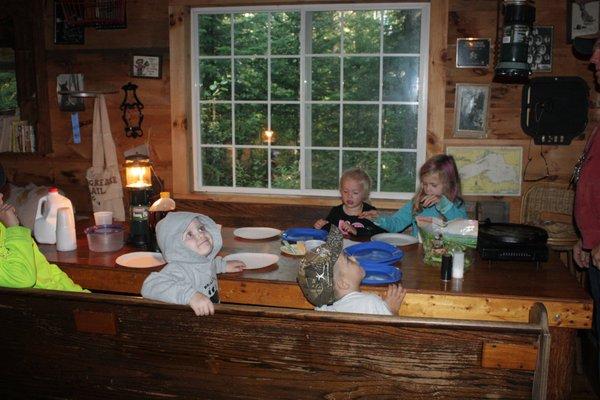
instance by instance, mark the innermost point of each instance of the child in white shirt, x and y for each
(331, 280)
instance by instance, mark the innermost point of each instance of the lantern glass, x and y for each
(137, 173)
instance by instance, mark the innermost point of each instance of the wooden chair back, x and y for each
(66, 345)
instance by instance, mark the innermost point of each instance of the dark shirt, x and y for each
(363, 226)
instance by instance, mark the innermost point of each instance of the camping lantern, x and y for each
(138, 178)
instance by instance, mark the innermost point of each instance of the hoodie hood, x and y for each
(169, 235)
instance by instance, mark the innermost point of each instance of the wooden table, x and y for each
(497, 291)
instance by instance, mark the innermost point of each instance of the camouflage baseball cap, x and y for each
(315, 275)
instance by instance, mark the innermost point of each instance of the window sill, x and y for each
(279, 199)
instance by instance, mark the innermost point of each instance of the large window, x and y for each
(285, 99)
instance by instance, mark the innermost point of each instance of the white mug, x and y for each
(103, 217)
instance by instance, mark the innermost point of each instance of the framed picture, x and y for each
(63, 33)
(489, 170)
(539, 54)
(582, 18)
(470, 110)
(69, 83)
(473, 53)
(146, 66)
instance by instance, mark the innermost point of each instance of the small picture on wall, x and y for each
(470, 110)
(582, 18)
(540, 48)
(146, 66)
(69, 83)
(63, 33)
(473, 53)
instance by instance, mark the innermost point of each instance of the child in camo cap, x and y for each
(331, 280)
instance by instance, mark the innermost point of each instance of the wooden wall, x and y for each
(105, 61)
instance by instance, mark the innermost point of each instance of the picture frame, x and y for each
(471, 105)
(473, 52)
(582, 18)
(63, 33)
(146, 66)
(541, 42)
(69, 83)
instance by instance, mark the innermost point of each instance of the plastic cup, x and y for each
(103, 217)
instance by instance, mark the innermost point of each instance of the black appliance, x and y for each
(512, 242)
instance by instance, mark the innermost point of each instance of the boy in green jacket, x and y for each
(22, 265)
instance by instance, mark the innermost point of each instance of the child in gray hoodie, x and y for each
(189, 243)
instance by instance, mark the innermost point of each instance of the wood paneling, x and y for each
(154, 28)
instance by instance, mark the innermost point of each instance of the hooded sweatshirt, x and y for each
(187, 272)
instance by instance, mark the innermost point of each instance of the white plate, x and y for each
(254, 260)
(141, 259)
(395, 239)
(256, 233)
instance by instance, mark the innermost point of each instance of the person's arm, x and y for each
(397, 222)
(17, 265)
(170, 285)
(451, 210)
(582, 258)
(596, 256)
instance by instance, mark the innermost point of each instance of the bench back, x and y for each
(66, 345)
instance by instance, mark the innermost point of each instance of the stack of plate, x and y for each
(377, 259)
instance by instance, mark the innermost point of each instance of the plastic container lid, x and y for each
(53, 190)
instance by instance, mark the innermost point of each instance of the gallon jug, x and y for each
(44, 227)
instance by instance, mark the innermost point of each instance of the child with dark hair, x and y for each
(438, 196)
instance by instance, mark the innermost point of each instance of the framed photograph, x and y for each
(582, 18)
(473, 53)
(63, 33)
(146, 66)
(488, 170)
(539, 54)
(69, 83)
(470, 110)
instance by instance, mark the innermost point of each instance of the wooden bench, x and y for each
(66, 345)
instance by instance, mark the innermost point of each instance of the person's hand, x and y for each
(8, 215)
(202, 305)
(394, 297)
(582, 258)
(596, 256)
(320, 223)
(347, 228)
(234, 266)
(372, 215)
(430, 200)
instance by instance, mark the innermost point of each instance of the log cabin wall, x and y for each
(105, 62)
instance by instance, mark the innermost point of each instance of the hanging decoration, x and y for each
(132, 111)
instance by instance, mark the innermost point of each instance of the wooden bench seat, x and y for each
(66, 345)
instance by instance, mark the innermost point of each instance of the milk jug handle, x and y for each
(41, 201)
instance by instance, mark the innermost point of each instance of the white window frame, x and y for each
(421, 101)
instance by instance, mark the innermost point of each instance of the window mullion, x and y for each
(233, 105)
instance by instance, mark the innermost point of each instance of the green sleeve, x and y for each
(17, 265)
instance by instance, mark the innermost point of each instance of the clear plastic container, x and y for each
(102, 238)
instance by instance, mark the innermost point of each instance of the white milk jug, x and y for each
(44, 227)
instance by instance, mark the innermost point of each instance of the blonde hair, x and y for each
(358, 175)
